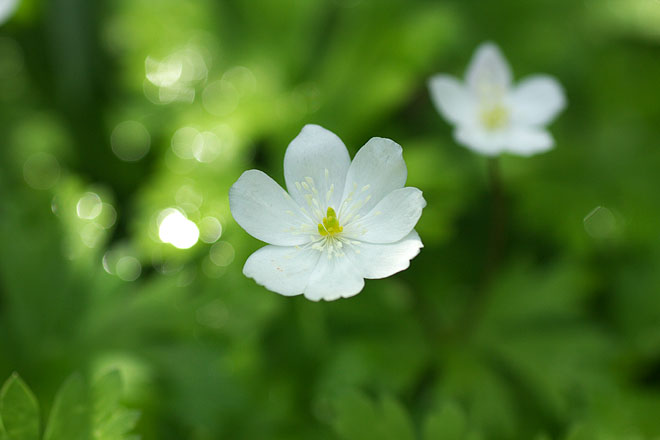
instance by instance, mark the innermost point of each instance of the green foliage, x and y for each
(447, 423)
(19, 410)
(110, 420)
(80, 411)
(553, 335)
(357, 417)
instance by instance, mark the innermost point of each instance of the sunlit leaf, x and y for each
(70, 416)
(110, 420)
(19, 410)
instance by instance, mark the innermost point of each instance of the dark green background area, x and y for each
(556, 335)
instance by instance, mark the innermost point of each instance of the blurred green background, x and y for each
(113, 112)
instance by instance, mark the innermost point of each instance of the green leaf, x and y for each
(447, 424)
(110, 420)
(395, 420)
(3, 433)
(581, 432)
(69, 419)
(359, 418)
(106, 392)
(118, 426)
(19, 410)
(355, 416)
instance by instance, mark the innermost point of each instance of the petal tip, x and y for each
(489, 46)
(387, 143)
(308, 127)
(315, 130)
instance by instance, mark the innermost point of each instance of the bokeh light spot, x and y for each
(193, 63)
(128, 268)
(220, 98)
(108, 216)
(187, 194)
(174, 228)
(163, 73)
(182, 142)
(222, 253)
(206, 147)
(171, 94)
(242, 79)
(211, 269)
(130, 141)
(41, 171)
(55, 205)
(89, 206)
(210, 229)
(600, 223)
(109, 262)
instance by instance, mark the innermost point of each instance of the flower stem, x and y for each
(497, 230)
(496, 241)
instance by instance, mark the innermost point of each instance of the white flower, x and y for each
(339, 222)
(490, 114)
(7, 8)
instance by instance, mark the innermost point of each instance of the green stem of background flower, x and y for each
(497, 220)
(494, 248)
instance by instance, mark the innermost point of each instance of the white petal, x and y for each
(282, 269)
(334, 278)
(266, 211)
(382, 260)
(377, 170)
(526, 141)
(537, 100)
(489, 143)
(315, 167)
(7, 8)
(391, 219)
(451, 98)
(488, 73)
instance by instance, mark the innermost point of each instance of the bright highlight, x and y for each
(177, 230)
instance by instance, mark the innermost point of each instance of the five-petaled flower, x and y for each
(339, 222)
(491, 116)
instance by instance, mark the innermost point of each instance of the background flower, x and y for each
(490, 113)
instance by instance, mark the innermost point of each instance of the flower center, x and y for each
(494, 117)
(330, 225)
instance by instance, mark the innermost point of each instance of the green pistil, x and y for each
(330, 224)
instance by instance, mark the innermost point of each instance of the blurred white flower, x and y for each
(339, 222)
(7, 8)
(490, 114)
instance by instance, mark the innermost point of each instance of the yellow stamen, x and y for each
(495, 117)
(330, 224)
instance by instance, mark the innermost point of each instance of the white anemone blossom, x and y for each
(338, 223)
(491, 115)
